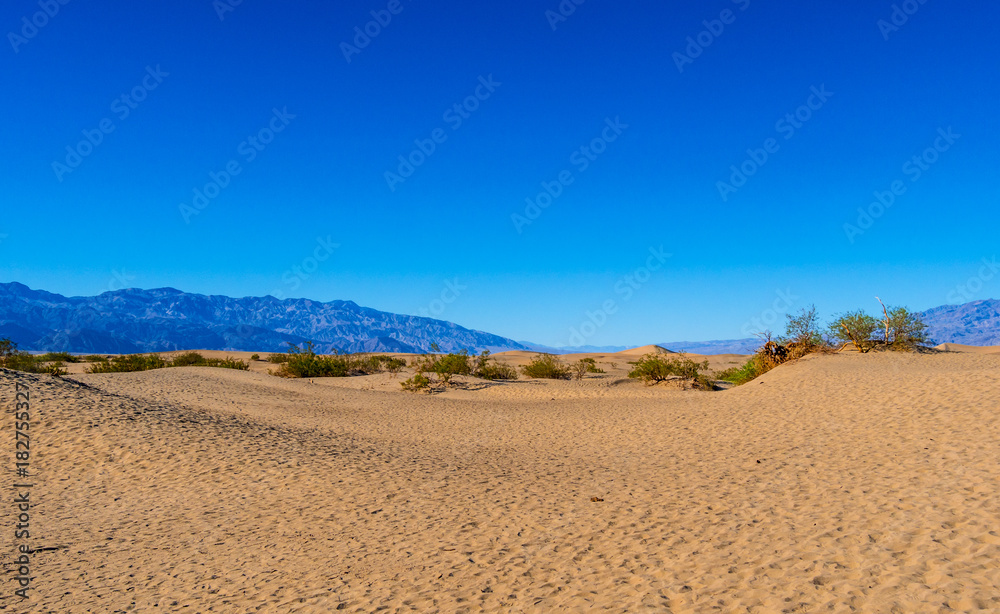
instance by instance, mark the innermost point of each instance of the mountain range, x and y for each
(130, 321)
(165, 319)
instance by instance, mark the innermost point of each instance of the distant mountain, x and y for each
(165, 319)
(730, 346)
(579, 349)
(976, 323)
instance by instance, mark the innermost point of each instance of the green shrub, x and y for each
(305, 362)
(546, 366)
(194, 359)
(95, 358)
(129, 363)
(855, 327)
(278, 358)
(416, 383)
(907, 331)
(490, 368)
(585, 366)
(255, 357)
(803, 329)
(57, 356)
(13, 358)
(188, 359)
(900, 329)
(742, 374)
(226, 363)
(654, 368)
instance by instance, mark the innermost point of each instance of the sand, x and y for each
(841, 483)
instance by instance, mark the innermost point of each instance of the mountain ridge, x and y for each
(165, 319)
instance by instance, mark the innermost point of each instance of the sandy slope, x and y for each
(838, 483)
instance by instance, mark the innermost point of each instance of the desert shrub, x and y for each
(305, 362)
(900, 329)
(278, 358)
(95, 358)
(188, 359)
(585, 366)
(255, 357)
(13, 358)
(742, 374)
(906, 330)
(226, 363)
(368, 365)
(546, 366)
(416, 383)
(453, 364)
(7, 348)
(445, 366)
(194, 359)
(129, 363)
(55, 368)
(854, 327)
(653, 368)
(57, 357)
(490, 368)
(803, 329)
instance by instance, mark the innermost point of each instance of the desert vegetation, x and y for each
(584, 366)
(655, 368)
(305, 362)
(898, 330)
(446, 366)
(546, 366)
(17, 360)
(129, 363)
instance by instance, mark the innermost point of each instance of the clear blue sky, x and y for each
(181, 91)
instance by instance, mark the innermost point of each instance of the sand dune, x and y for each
(969, 349)
(837, 483)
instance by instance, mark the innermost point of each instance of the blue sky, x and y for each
(609, 115)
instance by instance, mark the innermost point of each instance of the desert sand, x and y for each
(840, 483)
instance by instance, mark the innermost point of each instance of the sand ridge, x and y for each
(845, 483)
